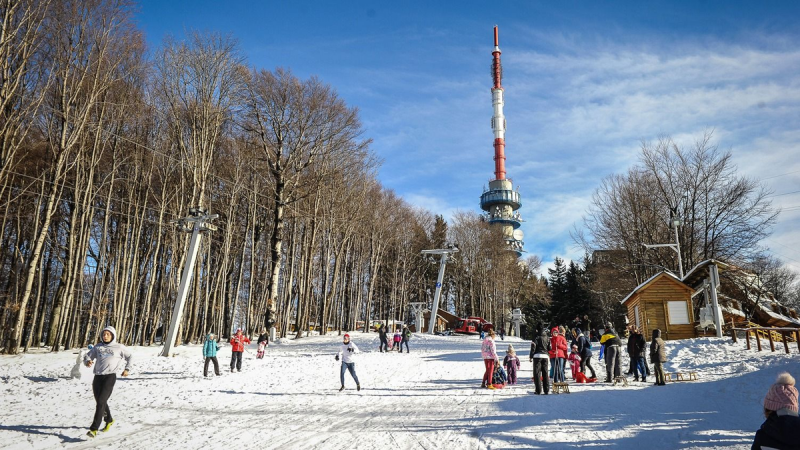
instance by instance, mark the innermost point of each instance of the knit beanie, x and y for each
(782, 394)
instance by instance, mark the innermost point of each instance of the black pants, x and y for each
(541, 375)
(613, 362)
(102, 387)
(236, 361)
(586, 361)
(384, 345)
(401, 347)
(216, 365)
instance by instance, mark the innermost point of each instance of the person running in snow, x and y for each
(637, 344)
(574, 361)
(511, 363)
(107, 357)
(611, 343)
(540, 348)
(781, 430)
(489, 355)
(406, 336)
(384, 338)
(238, 342)
(210, 348)
(346, 352)
(396, 339)
(658, 356)
(585, 350)
(263, 343)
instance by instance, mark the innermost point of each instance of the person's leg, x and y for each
(239, 361)
(407, 349)
(618, 364)
(216, 365)
(563, 367)
(610, 354)
(102, 386)
(537, 378)
(352, 368)
(233, 361)
(205, 367)
(545, 377)
(341, 373)
(642, 370)
(552, 366)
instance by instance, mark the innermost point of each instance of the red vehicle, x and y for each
(472, 325)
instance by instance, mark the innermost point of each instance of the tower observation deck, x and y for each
(501, 202)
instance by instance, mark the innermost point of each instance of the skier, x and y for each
(540, 348)
(611, 343)
(489, 355)
(782, 427)
(346, 353)
(210, 348)
(585, 350)
(237, 348)
(405, 336)
(263, 343)
(658, 356)
(384, 338)
(511, 363)
(109, 355)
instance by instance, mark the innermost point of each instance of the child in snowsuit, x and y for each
(263, 343)
(511, 363)
(237, 348)
(346, 353)
(575, 361)
(210, 348)
(782, 427)
(396, 340)
(109, 355)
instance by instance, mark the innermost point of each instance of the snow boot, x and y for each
(91, 433)
(341, 388)
(358, 387)
(108, 426)
(644, 380)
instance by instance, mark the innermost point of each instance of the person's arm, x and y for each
(91, 355)
(355, 348)
(128, 357)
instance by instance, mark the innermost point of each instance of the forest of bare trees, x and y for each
(104, 147)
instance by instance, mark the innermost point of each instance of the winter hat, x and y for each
(346, 336)
(114, 335)
(554, 330)
(782, 394)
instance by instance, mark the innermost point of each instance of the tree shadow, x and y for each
(43, 430)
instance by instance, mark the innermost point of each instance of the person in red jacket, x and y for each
(558, 354)
(237, 346)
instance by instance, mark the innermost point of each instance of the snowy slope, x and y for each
(427, 399)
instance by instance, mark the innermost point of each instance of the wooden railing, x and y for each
(773, 335)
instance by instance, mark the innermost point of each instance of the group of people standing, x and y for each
(400, 338)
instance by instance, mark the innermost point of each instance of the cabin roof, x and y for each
(652, 280)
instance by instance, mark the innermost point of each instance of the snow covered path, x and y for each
(427, 399)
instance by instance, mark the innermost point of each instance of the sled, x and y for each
(622, 380)
(680, 376)
(561, 387)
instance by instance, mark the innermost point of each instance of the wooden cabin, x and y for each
(662, 302)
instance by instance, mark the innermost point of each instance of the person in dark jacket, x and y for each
(406, 336)
(540, 349)
(781, 430)
(637, 344)
(611, 344)
(384, 338)
(658, 355)
(584, 349)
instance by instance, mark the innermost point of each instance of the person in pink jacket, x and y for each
(575, 361)
(558, 353)
(489, 355)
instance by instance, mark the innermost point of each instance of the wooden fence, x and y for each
(773, 335)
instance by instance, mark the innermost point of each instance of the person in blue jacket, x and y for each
(210, 348)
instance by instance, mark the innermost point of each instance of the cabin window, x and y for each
(678, 314)
(636, 316)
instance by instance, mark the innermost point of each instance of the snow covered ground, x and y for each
(430, 399)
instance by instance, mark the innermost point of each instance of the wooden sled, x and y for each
(622, 380)
(680, 376)
(561, 387)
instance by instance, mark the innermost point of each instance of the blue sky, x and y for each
(585, 83)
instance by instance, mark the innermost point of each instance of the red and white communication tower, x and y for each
(501, 202)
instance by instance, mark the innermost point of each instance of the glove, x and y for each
(125, 373)
(337, 357)
(350, 350)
